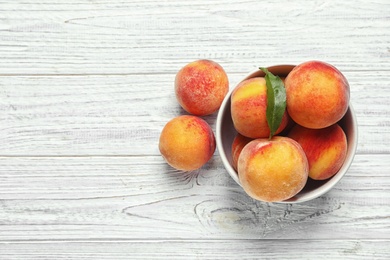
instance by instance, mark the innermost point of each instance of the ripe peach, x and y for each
(248, 109)
(238, 144)
(272, 170)
(317, 94)
(201, 86)
(325, 149)
(187, 142)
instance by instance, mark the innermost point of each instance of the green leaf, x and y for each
(276, 101)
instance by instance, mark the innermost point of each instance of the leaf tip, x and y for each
(264, 70)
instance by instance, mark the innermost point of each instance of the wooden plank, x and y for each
(124, 114)
(199, 249)
(137, 37)
(110, 111)
(143, 198)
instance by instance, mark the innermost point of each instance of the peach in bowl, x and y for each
(311, 150)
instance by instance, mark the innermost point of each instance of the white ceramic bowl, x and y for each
(225, 133)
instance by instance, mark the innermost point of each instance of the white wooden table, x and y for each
(86, 87)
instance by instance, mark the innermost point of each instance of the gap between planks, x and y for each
(178, 240)
(136, 73)
(80, 156)
(125, 155)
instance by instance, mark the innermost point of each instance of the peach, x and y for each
(325, 149)
(201, 86)
(272, 170)
(248, 109)
(238, 144)
(187, 142)
(317, 94)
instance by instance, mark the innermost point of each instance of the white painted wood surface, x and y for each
(86, 87)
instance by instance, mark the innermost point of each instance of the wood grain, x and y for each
(118, 197)
(198, 249)
(150, 37)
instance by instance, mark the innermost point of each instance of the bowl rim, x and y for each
(312, 194)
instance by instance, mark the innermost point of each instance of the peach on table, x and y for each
(201, 86)
(187, 142)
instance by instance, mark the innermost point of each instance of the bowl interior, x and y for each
(225, 133)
